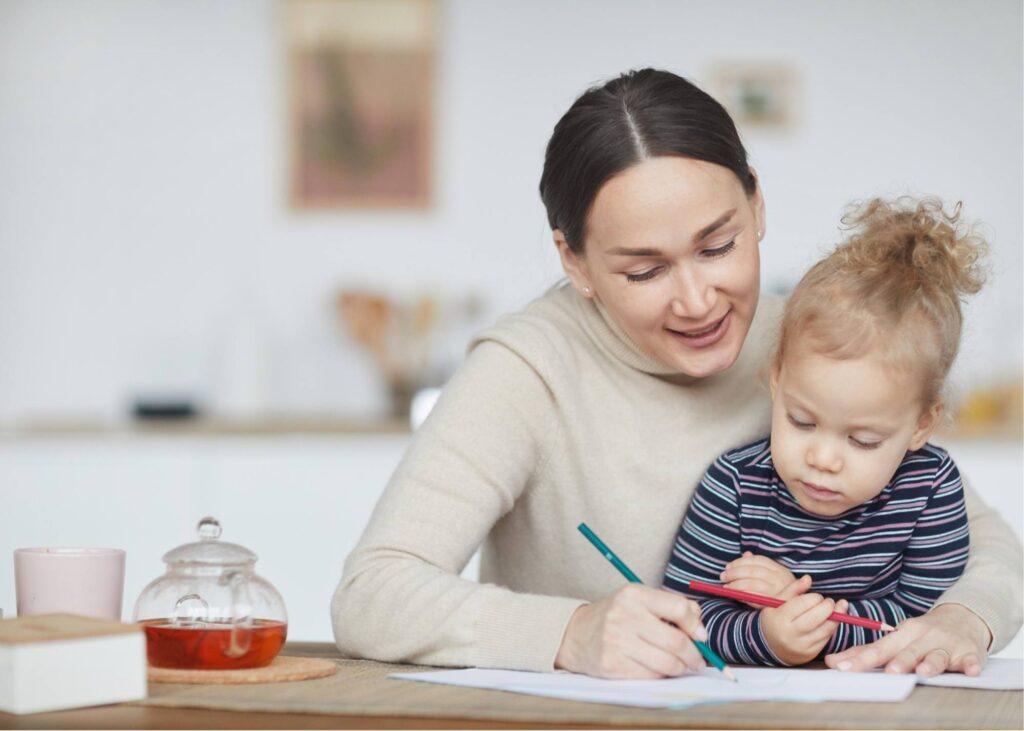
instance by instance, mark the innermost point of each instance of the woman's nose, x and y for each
(825, 456)
(693, 299)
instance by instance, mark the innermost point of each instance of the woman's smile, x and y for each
(706, 336)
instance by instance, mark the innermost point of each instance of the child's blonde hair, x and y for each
(893, 287)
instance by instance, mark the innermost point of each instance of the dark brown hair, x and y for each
(636, 116)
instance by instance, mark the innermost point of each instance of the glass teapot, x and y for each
(210, 611)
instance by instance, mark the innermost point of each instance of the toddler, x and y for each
(846, 493)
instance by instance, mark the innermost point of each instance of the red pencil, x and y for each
(770, 601)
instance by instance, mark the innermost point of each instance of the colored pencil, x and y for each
(710, 655)
(770, 601)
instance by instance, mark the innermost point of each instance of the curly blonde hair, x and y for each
(893, 287)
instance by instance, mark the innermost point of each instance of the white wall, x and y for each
(142, 172)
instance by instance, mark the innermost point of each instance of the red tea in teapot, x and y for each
(207, 647)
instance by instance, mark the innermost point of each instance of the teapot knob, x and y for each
(209, 529)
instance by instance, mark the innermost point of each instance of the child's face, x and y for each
(840, 428)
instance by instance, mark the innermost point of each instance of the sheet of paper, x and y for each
(1000, 673)
(755, 684)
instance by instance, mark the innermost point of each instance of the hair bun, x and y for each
(927, 246)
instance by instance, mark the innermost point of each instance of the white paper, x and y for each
(999, 673)
(709, 686)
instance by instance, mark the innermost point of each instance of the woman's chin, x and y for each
(704, 362)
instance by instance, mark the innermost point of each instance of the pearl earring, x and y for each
(758, 234)
(586, 291)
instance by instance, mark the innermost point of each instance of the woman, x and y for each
(603, 402)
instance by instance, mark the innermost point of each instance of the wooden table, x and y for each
(927, 707)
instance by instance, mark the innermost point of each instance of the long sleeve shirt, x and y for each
(555, 418)
(891, 557)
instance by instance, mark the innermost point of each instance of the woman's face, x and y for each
(672, 253)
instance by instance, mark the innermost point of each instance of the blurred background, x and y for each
(202, 311)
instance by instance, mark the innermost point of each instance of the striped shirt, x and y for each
(890, 557)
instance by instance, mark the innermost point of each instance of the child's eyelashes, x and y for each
(798, 423)
(809, 425)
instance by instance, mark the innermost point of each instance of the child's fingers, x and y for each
(741, 571)
(814, 615)
(756, 567)
(753, 586)
(790, 612)
(796, 588)
(822, 634)
(749, 559)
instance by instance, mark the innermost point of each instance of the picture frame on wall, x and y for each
(361, 81)
(760, 96)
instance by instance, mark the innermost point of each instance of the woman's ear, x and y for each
(926, 424)
(757, 203)
(575, 265)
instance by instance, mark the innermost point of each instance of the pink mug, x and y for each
(87, 581)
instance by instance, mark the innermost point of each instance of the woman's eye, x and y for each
(719, 251)
(865, 445)
(797, 423)
(641, 276)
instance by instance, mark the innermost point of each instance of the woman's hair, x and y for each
(893, 288)
(634, 117)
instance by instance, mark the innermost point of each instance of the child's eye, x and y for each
(719, 251)
(865, 445)
(641, 276)
(797, 423)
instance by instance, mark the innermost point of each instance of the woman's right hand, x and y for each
(628, 635)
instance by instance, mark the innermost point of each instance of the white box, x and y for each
(57, 661)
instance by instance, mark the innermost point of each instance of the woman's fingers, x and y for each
(935, 642)
(630, 634)
(682, 612)
(680, 654)
(934, 663)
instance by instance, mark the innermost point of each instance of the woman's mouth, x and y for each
(704, 336)
(820, 493)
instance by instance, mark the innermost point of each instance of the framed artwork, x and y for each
(760, 96)
(361, 77)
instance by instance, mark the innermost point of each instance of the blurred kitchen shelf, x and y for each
(269, 427)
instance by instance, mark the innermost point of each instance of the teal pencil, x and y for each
(710, 655)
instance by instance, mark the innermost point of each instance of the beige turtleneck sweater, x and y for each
(557, 418)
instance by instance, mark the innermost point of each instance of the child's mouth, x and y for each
(820, 493)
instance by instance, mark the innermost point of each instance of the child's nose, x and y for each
(825, 456)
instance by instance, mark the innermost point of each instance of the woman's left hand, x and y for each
(948, 638)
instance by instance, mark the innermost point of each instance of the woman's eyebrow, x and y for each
(627, 251)
(714, 225)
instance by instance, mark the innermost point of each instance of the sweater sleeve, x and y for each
(932, 562)
(708, 539)
(401, 598)
(993, 581)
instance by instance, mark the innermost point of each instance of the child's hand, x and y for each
(799, 629)
(757, 574)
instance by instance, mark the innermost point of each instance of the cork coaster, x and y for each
(281, 670)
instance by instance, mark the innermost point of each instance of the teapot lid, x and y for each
(209, 550)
